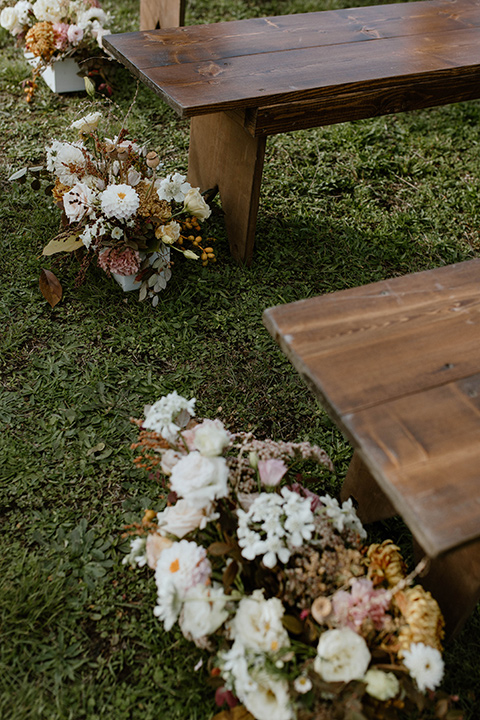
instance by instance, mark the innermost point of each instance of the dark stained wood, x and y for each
(286, 73)
(223, 154)
(259, 62)
(161, 14)
(396, 364)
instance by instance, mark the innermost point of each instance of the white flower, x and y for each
(203, 610)
(200, 479)
(9, 20)
(182, 518)
(120, 201)
(74, 35)
(162, 417)
(302, 684)
(90, 16)
(173, 187)
(77, 202)
(23, 9)
(211, 438)
(99, 34)
(67, 161)
(48, 10)
(179, 568)
(258, 623)
(154, 547)
(425, 665)
(133, 177)
(169, 460)
(88, 123)
(87, 236)
(168, 233)
(196, 205)
(137, 555)
(344, 517)
(234, 668)
(117, 233)
(381, 685)
(342, 655)
(269, 700)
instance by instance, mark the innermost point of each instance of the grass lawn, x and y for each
(341, 206)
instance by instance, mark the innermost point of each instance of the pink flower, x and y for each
(123, 261)
(271, 471)
(363, 602)
(60, 31)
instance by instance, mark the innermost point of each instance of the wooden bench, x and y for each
(242, 81)
(396, 364)
(161, 14)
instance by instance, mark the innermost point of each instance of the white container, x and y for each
(128, 282)
(61, 75)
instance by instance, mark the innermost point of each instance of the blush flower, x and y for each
(120, 201)
(271, 471)
(74, 35)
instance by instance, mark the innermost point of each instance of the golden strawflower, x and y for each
(385, 563)
(423, 620)
(150, 205)
(40, 40)
(59, 190)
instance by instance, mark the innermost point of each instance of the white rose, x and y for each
(196, 205)
(269, 700)
(9, 20)
(381, 685)
(168, 233)
(87, 124)
(258, 623)
(200, 479)
(342, 655)
(211, 438)
(180, 519)
(48, 11)
(203, 611)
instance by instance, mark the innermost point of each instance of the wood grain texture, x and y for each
(310, 57)
(397, 366)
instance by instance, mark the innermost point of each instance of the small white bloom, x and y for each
(200, 479)
(137, 554)
(117, 233)
(196, 205)
(381, 685)
(425, 665)
(342, 655)
(173, 187)
(343, 517)
(302, 684)
(74, 35)
(88, 123)
(133, 177)
(203, 610)
(87, 236)
(120, 201)
(258, 623)
(162, 417)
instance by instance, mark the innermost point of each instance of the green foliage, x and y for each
(341, 206)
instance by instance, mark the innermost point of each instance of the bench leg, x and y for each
(223, 154)
(373, 504)
(161, 14)
(454, 581)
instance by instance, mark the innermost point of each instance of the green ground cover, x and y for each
(341, 206)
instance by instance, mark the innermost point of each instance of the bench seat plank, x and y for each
(250, 63)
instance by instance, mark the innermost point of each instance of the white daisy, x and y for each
(119, 201)
(425, 665)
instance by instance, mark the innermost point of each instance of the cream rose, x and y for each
(181, 518)
(9, 20)
(196, 205)
(200, 479)
(203, 611)
(168, 233)
(381, 685)
(342, 655)
(211, 438)
(258, 623)
(88, 123)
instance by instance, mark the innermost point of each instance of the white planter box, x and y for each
(61, 75)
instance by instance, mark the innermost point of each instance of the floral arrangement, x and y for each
(119, 209)
(302, 617)
(51, 30)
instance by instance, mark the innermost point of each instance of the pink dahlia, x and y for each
(363, 603)
(122, 261)
(60, 35)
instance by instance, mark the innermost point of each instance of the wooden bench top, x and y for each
(397, 366)
(399, 57)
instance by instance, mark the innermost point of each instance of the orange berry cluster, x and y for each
(191, 232)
